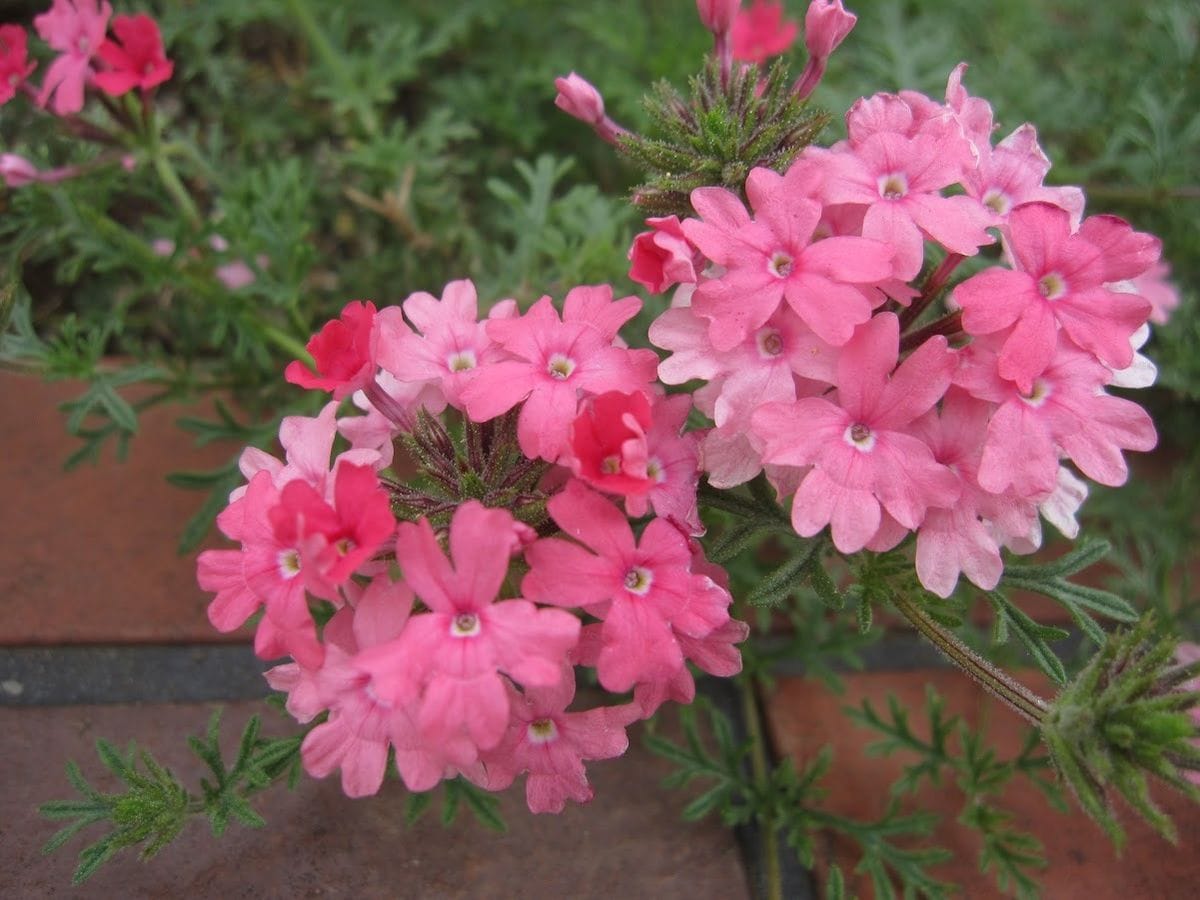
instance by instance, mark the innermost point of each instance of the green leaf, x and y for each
(1032, 635)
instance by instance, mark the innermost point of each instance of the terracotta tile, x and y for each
(90, 555)
(805, 716)
(629, 842)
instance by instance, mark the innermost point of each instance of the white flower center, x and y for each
(1052, 285)
(893, 187)
(1038, 394)
(560, 367)
(638, 580)
(860, 437)
(464, 625)
(289, 564)
(461, 361)
(780, 265)
(997, 201)
(541, 731)
(769, 341)
(655, 470)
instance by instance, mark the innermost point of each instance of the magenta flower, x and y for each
(899, 180)
(551, 745)
(773, 257)
(138, 60)
(343, 352)
(15, 66)
(863, 459)
(450, 659)
(760, 32)
(75, 28)
(642, 591)
(1057, 282)
(552, 363)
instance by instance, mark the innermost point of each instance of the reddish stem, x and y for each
(948, 325)
(933, 286)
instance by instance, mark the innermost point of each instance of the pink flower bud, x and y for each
(578, 98)
(826, 25)
(717, 15)
(17, 171)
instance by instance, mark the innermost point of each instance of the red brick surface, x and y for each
(805, 716)
(630, 842)
(89, 556)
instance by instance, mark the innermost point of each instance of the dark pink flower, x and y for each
(760, 32)
(662, 257)
(607, 448)
(136, 59)
(15, 66)
(345, 351)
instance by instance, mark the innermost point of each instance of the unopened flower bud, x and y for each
(826, 25)
(577, 97)
(717, 15)
(17, 171)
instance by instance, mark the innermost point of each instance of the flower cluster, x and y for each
(802, 313)
(88, 57)
(453, 639)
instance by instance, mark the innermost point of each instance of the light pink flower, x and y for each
(863, 459)
(899, 180)
(552, 362)
(1012, 172)
(17, 171)
(75, 28)
(1057, 282)
(1064, 412)
(773, 258)
(551, 745)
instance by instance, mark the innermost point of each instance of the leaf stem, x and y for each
(999, 684)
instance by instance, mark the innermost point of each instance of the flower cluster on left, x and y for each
(441, 617)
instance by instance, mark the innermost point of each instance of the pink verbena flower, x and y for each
(450, 342)
(552, 362)
(662, 257)
(1057, 282)
(75, 28)
(1012, 172)
(760, 32)
(551, 745)
(965, 537)
(773, 257)
(642, 591)
(135, 59)
(863, 459)
(1064, 412)
(15, 66)
(899, 179)
(450, 659)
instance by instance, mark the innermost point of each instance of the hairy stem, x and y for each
(772, 877)
(999, 684)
